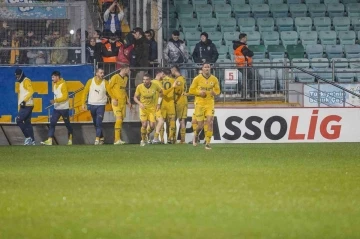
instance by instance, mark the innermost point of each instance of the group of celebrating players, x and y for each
(161, 101)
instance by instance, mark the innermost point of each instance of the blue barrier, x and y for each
(75, 75)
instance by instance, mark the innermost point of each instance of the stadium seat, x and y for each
(177, 2)
(267, 78)
(281, 72)
(223, 51)
(335, 9)
(303, 77)
(232, 3)
(344, 76)
(322, 24)
(293, 2)
(327, 38)
(355, 22)
(279, 10)
(317, 10)
(347, 38)
(314, 51)
(227, 24)
(246, 24)
(218, 2)
(203, 11)
(325, 73)
(352, 51)
(341, 24)
(317, 63)
(307, 2)
(289, 38)
(260, 10)
(241, 10)
(285, 24)
(353, 9)
(339, 63)
(189, 25)
(295, 51)
(222, 10)
(253, 38)
(172, 12)
(216, 38)
(199, 1)
(255, 2)
(265, 24)
(270, 38)
(308, 38)
(302, 63)
(354, 63)
(276, 51)
(349, 1)
(259, 51)
(184, 10)
(272, 2)
(208, 24)
(298, 10)
(303, 24)
(327, 2)
(334, 51)
(229, 37)
(192, 38)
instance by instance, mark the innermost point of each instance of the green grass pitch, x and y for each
(179, 191)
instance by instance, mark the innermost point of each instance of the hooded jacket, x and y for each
(205, 50)
(141, 52)
(175, 52)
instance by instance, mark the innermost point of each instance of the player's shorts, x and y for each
(181, 111)
(203, 111)
(167, 110)
(119, 110)
(147, 114)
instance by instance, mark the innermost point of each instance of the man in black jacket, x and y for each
(141, 53)
(205, 50)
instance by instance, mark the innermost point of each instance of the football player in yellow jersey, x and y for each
(118, 84)
(167, 110)
(181, 102)
(144, 96)
(205, 87)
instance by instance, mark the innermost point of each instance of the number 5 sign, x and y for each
(231, 76)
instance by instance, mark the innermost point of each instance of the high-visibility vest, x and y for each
(240, 59)
(109, 49)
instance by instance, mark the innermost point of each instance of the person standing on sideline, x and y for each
(96, 88)
(26, 103)
(61, 108)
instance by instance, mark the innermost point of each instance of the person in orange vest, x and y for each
(243, 57)
(110, 51)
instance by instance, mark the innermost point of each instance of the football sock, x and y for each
(143, 133)
(118, 130)
(182, 134)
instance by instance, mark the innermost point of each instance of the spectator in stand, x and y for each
(110, 51)
(36, 56)
(59, 56)
(205, 50)
(112, 19)
(99, 42)
(91, 53)
(153, 56)
(4, 54)
(75, 55)
(175, 52)
(129, 39)
(5, 32)
(124, 55)
(141, 53)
